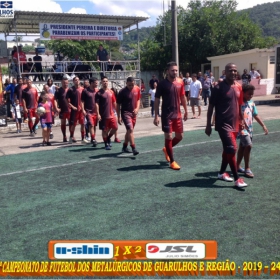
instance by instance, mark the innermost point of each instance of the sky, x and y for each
(144, 8)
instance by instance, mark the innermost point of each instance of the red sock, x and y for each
(169, 150)
(92, 136)
(30, 125)
(105, 140)
(83, 135)
(175, 141)
(63, 130)
(132, 146)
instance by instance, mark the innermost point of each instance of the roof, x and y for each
(28, 22)
(240, 53)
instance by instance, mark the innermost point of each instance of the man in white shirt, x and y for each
(187, 81)
(254, 74)
(195, 93)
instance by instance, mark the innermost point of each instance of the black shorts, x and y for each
(228, 139)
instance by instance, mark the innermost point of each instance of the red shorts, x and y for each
(172, 125)
(32, 113)
(129, 121)
(76, 117)
(92, 119)
(64, 116)
(108, 124)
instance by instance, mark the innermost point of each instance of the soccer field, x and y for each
(78, 192)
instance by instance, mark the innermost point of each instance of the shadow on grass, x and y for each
(162, 165)
(206, 180)
(37, 145)
(109, 154)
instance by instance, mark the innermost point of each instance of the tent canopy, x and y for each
(28, 22)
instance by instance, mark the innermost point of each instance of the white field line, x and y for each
(104, 158)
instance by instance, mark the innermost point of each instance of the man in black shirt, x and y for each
(38, 66)
(246, 78)
(102, 58)
(226, 98)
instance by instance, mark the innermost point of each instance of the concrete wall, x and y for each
(244, 60)
(270, 86)
(147, 76)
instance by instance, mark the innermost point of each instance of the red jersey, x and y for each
(22, 56)
(128, 99)
(105, 100)
(60, 97)
(227, 100)
(88, 97)
(171, 93)
(74, 95)
(30, 95)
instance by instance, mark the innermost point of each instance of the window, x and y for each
(272, 59)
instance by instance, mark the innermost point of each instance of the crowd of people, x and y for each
(89, 104)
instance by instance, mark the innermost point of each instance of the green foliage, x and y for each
(131, 37)
(267, 16)
(27, 49)
(5, 70)
(208, 28)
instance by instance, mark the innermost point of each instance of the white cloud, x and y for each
(37, 6)
(77, 11)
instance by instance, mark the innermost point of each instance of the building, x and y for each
(262, 60)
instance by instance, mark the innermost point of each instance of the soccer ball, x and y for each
(41, 111)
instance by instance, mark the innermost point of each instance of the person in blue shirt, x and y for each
(9, 92)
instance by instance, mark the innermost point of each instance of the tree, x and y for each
(209, 28)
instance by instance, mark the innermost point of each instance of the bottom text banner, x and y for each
(128, 268)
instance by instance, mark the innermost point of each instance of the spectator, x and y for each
(195, 92)
(76, 61)
(181, 76)
(22, 60)
(152, 93)
(199, 77)
(9, 93)
(30, 66)
(16, 112)
(206, 86)
(254, 74)
(143, 88)
(187, 81)
(14, 50)
(246, 78)
(52, 87)
(223, 75)
(38, 66)
(153, 81)
(102, 58)
(212, 79)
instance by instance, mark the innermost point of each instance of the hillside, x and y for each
(268, 17)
